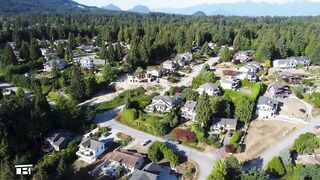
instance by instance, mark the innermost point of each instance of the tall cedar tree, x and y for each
(8, 56)
(60, 50)
(34, 50)
(72, 44)
(24, 51)
(77, 88)
(203, 110)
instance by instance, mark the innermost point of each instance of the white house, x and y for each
(123, 158)
(291, 62)
(139, 77)
(209, 88)
(165, 103)
(90, 150)
(229, 82)
(266, 107)
(189, 110)
(61, 64)
(157, 73)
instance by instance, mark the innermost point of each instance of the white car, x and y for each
(145, 142)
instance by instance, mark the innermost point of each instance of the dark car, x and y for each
(302, 110)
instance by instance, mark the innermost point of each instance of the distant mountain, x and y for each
(140, 9)
(199, 14)
(111, 7)
(44, 6)
(294, 8)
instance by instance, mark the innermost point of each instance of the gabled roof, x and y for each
(166, 99)
(263, 100)
(125, 157)
(209, 86)
(91, 144)
(225, 121)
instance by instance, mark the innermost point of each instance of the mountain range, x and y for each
(295, 8)
(44, 6)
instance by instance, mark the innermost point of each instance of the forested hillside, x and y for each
(156, 37)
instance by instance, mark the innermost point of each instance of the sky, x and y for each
(154, 4)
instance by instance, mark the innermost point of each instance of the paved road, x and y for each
(285, 143)
(205, 160)
(186, 81)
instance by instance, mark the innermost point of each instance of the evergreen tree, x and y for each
(203, 110)
(72, 44)
(77, 88)
(79, 39)
(225, 54)
(119, 53)
(111, 52)
(275, 167)
(24, 51)
(8, 56)
(34, 50)
(61, 168)
(103, 53)
(55, 72)
(219, 172)
(60, 49)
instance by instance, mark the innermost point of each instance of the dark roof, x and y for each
(91, 144)
(225, 121)
(263, 100)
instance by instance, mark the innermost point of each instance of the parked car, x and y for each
(174, 142)
(302, 110)
(316, 127)
(145, 142)
(230, 134)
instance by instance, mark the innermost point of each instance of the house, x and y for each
(154, 171)
(266, 107)
(169, 65)
(189, 110)
(63, 42)
(123, 158)
(59, 140)
(140, 77)
(165, 103)
(209, 88)
(252, 67)
(156, 73)
(13, 45)
(88, 48)
(224, 124)
(61, 64)
(229, 82)
(90, 150)
(243, 56)
(292, 62)
(89, 62)
(290, 78)
(279, 90)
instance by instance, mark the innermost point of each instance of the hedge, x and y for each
(235, 138)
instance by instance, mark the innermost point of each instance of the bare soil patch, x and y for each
(261, 135)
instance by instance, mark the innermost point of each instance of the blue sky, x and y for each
(127, 4)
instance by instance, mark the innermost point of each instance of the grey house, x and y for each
(279, 90)
(59, 139)
(154, 171)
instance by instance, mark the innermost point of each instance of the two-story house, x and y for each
(188, 111)
(292, 62)
(90, 150)
(229, 82)
(209, 88)
(243, 56)
(124, 158)
(266, 107)
(279, 90)
(140, 77)
(165, 103)
(60, 63)
(224, 124)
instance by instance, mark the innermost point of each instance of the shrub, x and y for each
(275, 167)
(198, 131)
(306, 143)
(159, 150)
(184, 135)
(130, 114)
(124, 139)
(204, 77)
(235, 138)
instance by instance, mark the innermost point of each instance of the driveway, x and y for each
(205, 160)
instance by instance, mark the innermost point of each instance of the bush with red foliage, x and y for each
(184, 135)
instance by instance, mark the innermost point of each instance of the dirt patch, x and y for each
(316, 112)
(291, 107)
(261, 135)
